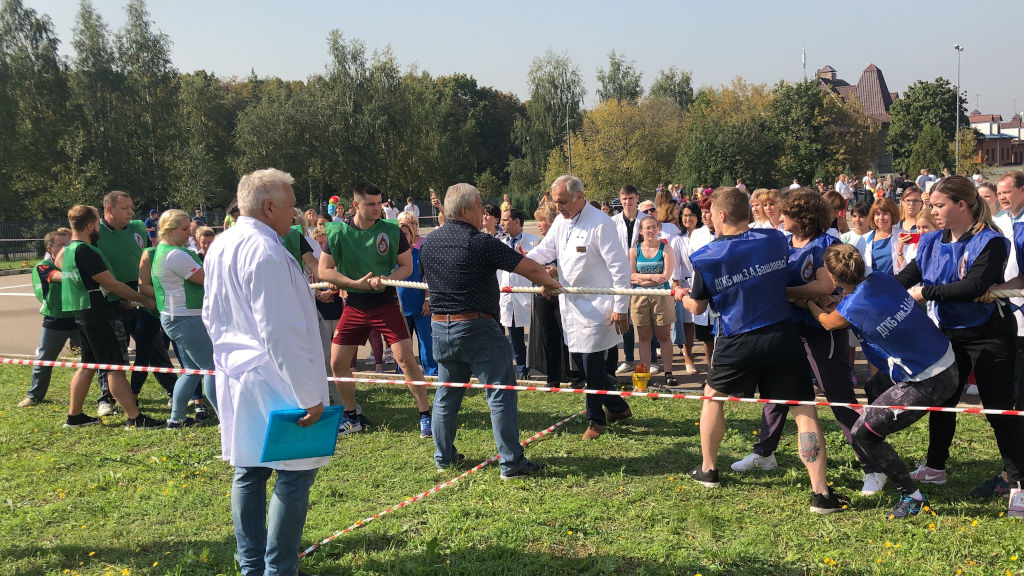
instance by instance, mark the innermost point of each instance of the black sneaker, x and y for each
(364, 422)
(143, 421)
(79, 420)
(994, 486)
(202, 412)
(706, 478)
(459, 459)
(186, 423)
(530, 469)
(829, 502)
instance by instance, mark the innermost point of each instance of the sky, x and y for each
(495, 42)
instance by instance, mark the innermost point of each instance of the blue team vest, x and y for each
(892, 329)
(947, 263)
(746, 277)
(801, 269)
(1018, 243)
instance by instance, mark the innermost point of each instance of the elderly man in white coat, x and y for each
(590, 254)
(262, 321)
(516, 309)
(627, 226)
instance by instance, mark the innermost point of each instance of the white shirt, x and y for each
(178, 266)
(620, 229)
(410, 207)
(698, 239)
(391, 213)
(590, 254)
(794, 186)
(516, 308)
(261, 318)
(844, 189)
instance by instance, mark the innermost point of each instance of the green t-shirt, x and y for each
(123, 249)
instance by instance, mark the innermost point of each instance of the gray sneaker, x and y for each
(104, 409)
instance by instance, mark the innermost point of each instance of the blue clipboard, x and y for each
(286, 440)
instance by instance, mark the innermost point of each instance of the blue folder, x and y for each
(286, 440)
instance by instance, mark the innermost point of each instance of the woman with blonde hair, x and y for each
(546, 351)
(177, 275)
(771, 205)
(756, 200)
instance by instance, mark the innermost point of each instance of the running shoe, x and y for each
(186, 423)
(624, 367)
(425, 427)
(202, 412)
(706, 478)
(530, 469)
(994, 486)
(105, 409)
(349, 426)
(874, 482)
(143, 421)
(79, 420)
(908, 506)
(928, 475)
(755, 461)
(27, 401)
(829, 502)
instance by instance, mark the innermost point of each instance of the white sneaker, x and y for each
(755, 462)
(655, 369)
(624, 367)
(104, 409)
(874, 482)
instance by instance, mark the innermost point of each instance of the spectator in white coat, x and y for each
(516, 308)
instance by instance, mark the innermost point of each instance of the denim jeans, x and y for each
(517, 336)
(462, 350)
(51, 342)
(420, 325)
(678, 330)
(268, 540)
(196, 353)
(594, 367)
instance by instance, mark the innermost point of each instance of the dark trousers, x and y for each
(828, 353)
(991, 353)
(151, 345)
(595, 369)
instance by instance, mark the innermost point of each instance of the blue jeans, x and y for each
(594, 367)
(268, 540)
(51, 342)
(517, 336)
(467, 348)
(678, 331)
(196, 353)
(421, 326)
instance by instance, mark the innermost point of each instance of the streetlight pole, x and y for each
(956, 161)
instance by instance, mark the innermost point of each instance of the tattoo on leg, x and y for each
(809, 449)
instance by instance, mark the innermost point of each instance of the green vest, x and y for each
(193, 291)
(124, 249)
(357, 252)
(74, 295)
(52, 299)
(293, 242)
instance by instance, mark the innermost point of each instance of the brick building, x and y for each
(874, 97)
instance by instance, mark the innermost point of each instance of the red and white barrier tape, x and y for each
(518, 388)
(434, 490)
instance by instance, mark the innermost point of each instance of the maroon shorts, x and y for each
(355, 325)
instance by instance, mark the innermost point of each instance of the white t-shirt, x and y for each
(413, 208)
(391, 213)
(177, 268)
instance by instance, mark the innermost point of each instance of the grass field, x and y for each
(14, 264)
(102, 500)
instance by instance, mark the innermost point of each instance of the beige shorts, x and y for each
(652, 310)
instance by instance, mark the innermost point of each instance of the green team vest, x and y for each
(52, 299)
(74, 295)
(124, 249)
(357, 252)
(293, 243)
(193, 291)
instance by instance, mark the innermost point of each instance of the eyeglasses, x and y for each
(649, 211)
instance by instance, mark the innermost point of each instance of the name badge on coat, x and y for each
(581, 249)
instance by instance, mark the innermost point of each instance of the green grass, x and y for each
(14, 264)
(102, 500)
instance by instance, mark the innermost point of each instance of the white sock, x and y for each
(917, 495)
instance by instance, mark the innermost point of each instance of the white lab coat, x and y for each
(516, 307)
(896, 231)
(698, 239)
(590, 254)
(261, 318)
(620, 229)
(1004, 222)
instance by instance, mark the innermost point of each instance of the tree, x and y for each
(923, 104)
(200, 171)
(968, 151)
(554, 108)
(621, 82)
(931, 151)
(673, 85)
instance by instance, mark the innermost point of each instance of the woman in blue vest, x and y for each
(178, 282)
(957, 265)
(895, 333)
(806, 216)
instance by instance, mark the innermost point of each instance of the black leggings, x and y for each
(990, 350)
(875, 424)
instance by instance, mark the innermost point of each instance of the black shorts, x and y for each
(104, 340)
(789, 381)
(703, 333)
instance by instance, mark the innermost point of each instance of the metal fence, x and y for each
(23, 239)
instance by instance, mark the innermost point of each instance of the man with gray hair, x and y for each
(259, 311)
(589, 252)
(459, 263)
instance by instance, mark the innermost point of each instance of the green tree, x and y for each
(968, 151)
(674, 85)
(931, 151)
(200, 172)
(923, 104)
(621, 81)
(555, 107)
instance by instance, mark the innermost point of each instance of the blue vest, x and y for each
(894, 331)
(1018, 243)
(746, 277)
(802, 268)
(947, 263)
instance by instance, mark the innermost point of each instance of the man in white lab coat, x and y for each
(516, 308)
(590, 254)
(262, 321)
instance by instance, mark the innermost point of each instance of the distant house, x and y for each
(874, 97)
(1001, 142)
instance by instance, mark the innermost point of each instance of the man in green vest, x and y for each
(122, 240)
(362, 250)
(91, 291)
(58, 325)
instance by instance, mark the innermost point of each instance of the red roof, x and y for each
(975, 118)
(870, 91)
